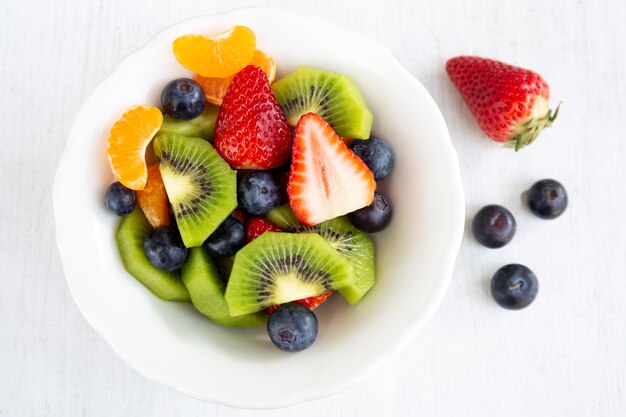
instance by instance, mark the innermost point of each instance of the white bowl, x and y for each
(173, 344)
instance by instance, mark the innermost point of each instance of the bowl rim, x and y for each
(448, 259)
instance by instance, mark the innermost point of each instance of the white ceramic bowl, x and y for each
(173, 344)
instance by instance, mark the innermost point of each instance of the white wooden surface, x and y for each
(564, 356)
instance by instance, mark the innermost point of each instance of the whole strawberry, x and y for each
(251, 131)
(511, 104)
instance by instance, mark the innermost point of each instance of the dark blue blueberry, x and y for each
(494, 226)
(514, 286)
(547, 199)
(377, 155)
(227, 239)
(292, 327)
(258, 192)
(119, 199)
(183, 98)
(373, 218)
(165, 249)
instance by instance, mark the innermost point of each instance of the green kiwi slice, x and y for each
(199, 127)
(355, 245)
(130, 236)
(200, 185)
(277, 268)
(333, 96)
(201, 278)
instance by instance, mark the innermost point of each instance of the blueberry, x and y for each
(227, 239)
(373, 218)
(547, 199)
(292, 327)
(119, 199)
(494, 226)
(514, 286)
(183, 98)
(165, 249)
(377, 155)
(258, 192)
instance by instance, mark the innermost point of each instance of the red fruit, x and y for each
(509, 103)
(240, 215)
(311, 302)
(251, 131)
(327, 179)
(256, 226)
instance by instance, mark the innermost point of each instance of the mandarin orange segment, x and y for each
(215, 88)
(127, 144)
(153, 199)
(218, 56)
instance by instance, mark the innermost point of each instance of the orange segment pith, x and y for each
(127, 144)
(218, 56)
(153, 199)
(215, 88)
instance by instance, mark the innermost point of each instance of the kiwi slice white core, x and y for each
(277, 268)
(200, 185)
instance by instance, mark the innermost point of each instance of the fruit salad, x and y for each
(263, 193)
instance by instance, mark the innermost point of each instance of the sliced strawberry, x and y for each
(327, 179)
(251, 131)
(256, 226)
(510, 104)
(311, 302)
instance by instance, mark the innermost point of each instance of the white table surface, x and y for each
(563, 356)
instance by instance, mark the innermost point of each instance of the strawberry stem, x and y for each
(532, 129)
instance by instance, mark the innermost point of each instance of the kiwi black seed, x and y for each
(277, 268)
(333, 96)
(353, 244)
(200, 185)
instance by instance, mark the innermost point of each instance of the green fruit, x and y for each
(131, 234)
(355, 245)
(333, 96)
(201, 278)
(200, 186)
(277, 268)
(200, 127)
